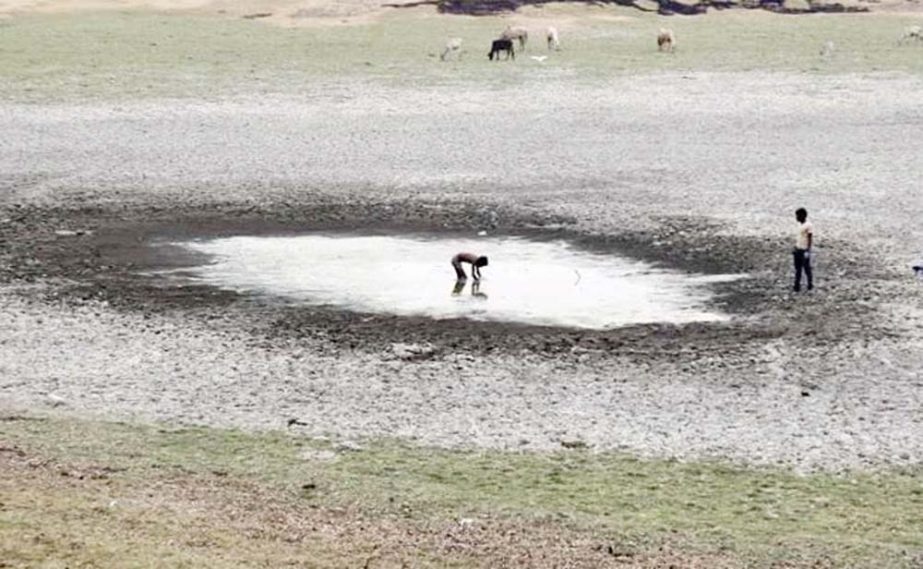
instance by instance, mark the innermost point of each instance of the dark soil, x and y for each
(114, 251)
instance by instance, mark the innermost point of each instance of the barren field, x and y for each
(125, 130)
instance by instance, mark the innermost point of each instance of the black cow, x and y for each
(502, 45)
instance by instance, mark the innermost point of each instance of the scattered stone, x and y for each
(55, 400)
(619, 552)
(319, 455)
(72, 232)
(412, 351)
(348, 446)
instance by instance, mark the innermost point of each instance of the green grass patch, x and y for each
(138, 54)
(759, 515)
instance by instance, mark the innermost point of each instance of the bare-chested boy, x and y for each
(476, 262)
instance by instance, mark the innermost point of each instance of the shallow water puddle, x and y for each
(544, 283)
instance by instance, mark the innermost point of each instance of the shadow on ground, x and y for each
(663, 7)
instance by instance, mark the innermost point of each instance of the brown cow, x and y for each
(516, 33)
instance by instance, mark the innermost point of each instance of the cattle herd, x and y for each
(666, 42)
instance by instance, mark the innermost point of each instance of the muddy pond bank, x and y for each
(142, 349)
(111, 254)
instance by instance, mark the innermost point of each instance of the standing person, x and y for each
(804, 241)
(475, 261)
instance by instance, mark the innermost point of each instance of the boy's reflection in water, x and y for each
(475, 289)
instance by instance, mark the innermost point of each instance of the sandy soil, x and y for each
(321, 12)
(669, 168)
(282, 12)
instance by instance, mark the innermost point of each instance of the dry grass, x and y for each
(57, 515)
(79, 493)
(141, 54)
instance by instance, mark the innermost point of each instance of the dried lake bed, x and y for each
(822, 381)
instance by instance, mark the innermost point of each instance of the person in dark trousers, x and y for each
(804, 241)
(475, 261)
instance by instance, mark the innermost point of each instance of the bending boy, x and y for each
(475, 261)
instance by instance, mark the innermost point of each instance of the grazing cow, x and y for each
(912, 33)
(518, 33)
(666, 41)
(451, 46)
(554, 42)
(502, 45)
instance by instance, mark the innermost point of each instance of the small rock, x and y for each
(619, 552)
(319, 455)
(573, 444)
(55, 400)
(72, 233)
(348, 446)
(412, 351)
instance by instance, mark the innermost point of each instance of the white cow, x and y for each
(554, 41)
(912, 33)
(666, 40)
(452, 46)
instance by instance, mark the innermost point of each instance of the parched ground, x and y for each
(826, 380)
(136, 136)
